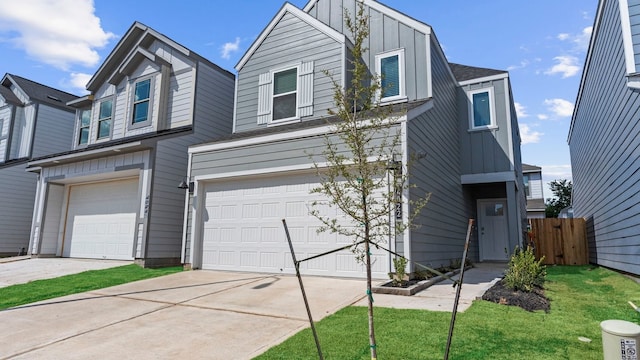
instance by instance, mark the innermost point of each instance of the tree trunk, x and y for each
(372, 334)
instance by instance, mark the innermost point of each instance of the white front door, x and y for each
(493, 229)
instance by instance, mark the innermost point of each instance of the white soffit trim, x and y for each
(627, 38)
(289, 8)
(82, 154)
(484, 79)
(487, 177)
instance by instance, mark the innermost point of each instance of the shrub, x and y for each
(400, 264)
(524, 272)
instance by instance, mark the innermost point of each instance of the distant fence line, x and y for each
(560, 241)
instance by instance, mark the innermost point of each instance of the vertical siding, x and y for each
(604, 146)
(54, 131)
(443, 222)
(285, 47)
(5, 123)
(17, 191)
(51, 230)
(634, 17)
(386, 34)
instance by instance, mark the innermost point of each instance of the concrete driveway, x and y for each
(192, 314)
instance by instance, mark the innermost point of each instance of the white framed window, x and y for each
(141, 97)
(390, 67)
(481, 109)
(285, 95)
(527, 189)
(105, 119)
(84, 125)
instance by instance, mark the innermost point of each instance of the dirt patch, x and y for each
(530, 301)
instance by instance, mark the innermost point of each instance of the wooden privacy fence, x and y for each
(560, 241)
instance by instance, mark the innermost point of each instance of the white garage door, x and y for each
(101, 220)
(242, 229)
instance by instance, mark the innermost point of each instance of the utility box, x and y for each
(620, 340)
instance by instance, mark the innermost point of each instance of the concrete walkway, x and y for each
(22, 269)
(197, 314)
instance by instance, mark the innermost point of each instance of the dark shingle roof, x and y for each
(535, 204)
(9, 96)
(464, 72)
(43, 93)
(530, 168)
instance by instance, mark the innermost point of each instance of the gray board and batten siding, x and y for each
(18, 194)
(386, 34)
(443, 222)
(604, 143)
(53, 131)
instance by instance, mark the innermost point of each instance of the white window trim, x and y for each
(79, 123)
(492, 111)
(132, 87)
(113, 110)
(288, 120)
(401, 75)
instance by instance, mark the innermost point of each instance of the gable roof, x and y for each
(35, 91)
(139, 35)
(530, 168)
(288, 8)
(465, 72)
(9, 96)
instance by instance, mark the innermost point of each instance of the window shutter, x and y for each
(264, 98)
(305, 96)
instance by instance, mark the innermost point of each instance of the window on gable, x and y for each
(85, 122)
(390, 68)
(527, 189)
(285, 85)
(105, 119)
(481, 109)
(141, 99)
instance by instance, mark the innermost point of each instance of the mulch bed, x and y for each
(530, 301)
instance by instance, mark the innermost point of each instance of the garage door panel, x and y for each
(247, 233)
(101, 220)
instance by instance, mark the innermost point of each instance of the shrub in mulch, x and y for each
(530, 301)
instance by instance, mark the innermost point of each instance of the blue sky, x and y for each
(542, 43)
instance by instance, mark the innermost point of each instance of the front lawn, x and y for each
(581, 297)
(39, 290)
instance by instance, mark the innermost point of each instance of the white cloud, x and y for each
(229, 48)
(529, 136)
(559, 107)
(80, 80)
(563, 36)
(56, 32)
(543, 116)
(521, 110)
(522, 65)
(566, 65)
(580, 40)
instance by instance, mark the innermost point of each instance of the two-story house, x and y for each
(604, 138)
(115, 195)
(34, 121)
(533, 189)
(458, 122)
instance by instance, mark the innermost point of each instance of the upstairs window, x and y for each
(390, 68)
(105, 119)
(285, 86)
(141, 99)
(85, 122)
(481, 109)
(527, 189)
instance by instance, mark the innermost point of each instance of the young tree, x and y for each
(359, 155)
(561, 189)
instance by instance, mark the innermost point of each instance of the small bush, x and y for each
(400, 264)
(524, 272)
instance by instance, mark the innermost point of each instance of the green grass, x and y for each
(39, 290)
(581, 297)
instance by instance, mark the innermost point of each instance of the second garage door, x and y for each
(242, 229)
(101, 220)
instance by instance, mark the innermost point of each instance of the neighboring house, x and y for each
(532, 179)
(34, 121)
(115, 194)
(462, 118)
(604, 138)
